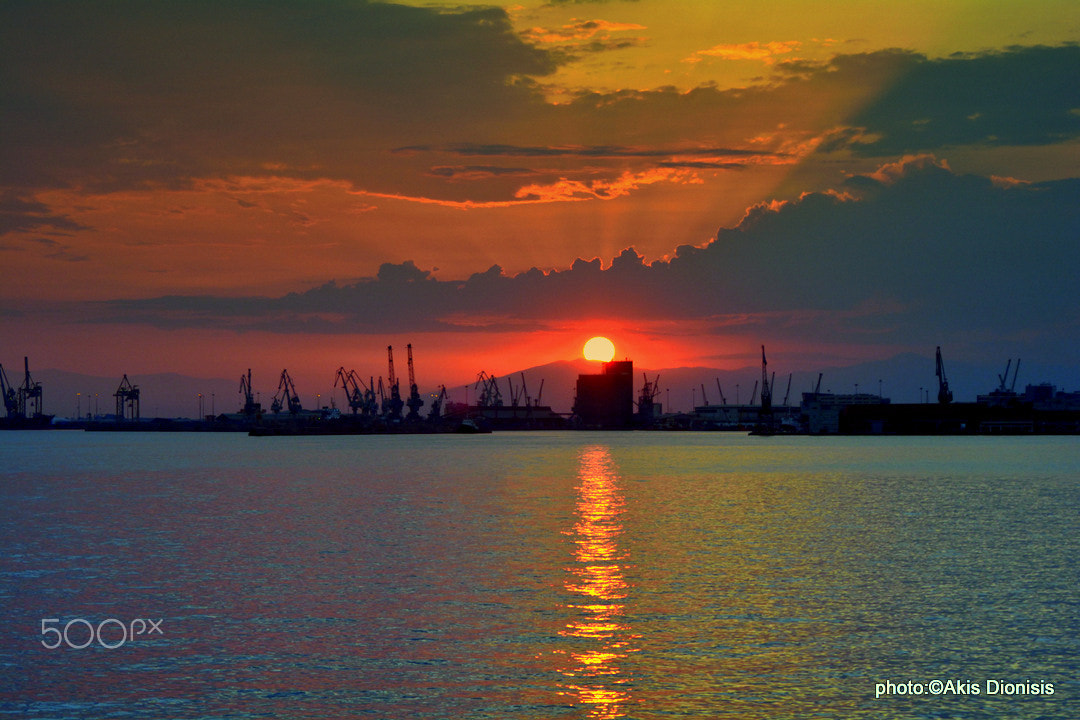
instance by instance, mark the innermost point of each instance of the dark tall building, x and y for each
(607, 400)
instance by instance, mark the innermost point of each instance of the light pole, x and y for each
(78, 405)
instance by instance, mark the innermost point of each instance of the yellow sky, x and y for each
(664, 37)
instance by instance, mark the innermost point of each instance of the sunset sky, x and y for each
(202, 187)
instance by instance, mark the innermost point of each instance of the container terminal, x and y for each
(602, 401)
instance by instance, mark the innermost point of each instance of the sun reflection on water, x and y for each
(593, 670)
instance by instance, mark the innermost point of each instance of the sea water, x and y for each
(538, 575)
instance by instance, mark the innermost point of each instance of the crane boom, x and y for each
(414, 402)
(944, 394)
(647, 410)
(250, 406)
(29, 394)
(11, 402)
(490, 395)
(766, 387)
(1002, 379)
(436, 404)
(393, 409)
(350, 383)
(287, 396)
(412, 374)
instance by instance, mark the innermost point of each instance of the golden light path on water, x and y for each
(541, 576)
(594, 674)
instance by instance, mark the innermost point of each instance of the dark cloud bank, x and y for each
(1019, 96)
(124, 94)
(915, 254)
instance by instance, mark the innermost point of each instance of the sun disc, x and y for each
(600, 349)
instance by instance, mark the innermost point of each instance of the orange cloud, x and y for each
(563, 190)
(765, 52)
(1007, 182)
(569, 190)
(578, 31)
(890, 172)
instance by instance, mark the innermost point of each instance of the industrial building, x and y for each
(606, 400)
(822, 412)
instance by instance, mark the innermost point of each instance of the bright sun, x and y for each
(600, 349)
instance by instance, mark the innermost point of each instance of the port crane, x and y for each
(251, 407)
(287, 396)
(127, 400)
(944, 394)
(647, 397)
(414, 402)
(766, 384)
(371, 403)
(393, 408)
(350, 383)
(29, 395)
(525, 392)
(517, 393)
(384, 403)
(723, 400)
(362, 401)
(1002, 379)
(11, 401)
(489, 396)
(436, 404)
